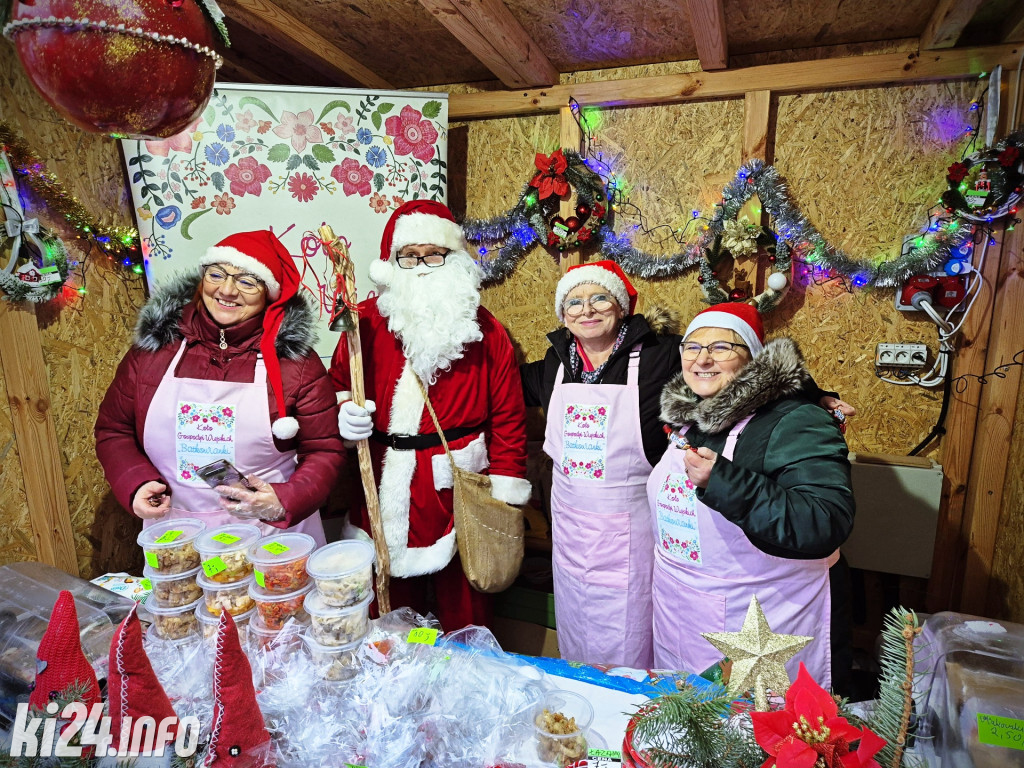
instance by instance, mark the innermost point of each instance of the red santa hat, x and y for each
(418, 222)
(238, 737)
(740, 317)
(606, 274)
(60, 662)
(133, 689)
(263, 255)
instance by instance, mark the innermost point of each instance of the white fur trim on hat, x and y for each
(712, 319)
(427, 229)
(285, 428)
(381, 271)
(591, 273)
(221, 254)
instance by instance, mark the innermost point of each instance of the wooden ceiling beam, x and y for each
(947, 22)
(707, 20)
(234, 71)
(300, 41)
(794, 77)
(1014, 29)
(492, 34)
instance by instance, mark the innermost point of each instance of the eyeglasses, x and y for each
(411, 260)
(599, 302)
(244, 281)
(719, 351)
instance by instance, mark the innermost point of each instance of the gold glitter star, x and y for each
(758, 656)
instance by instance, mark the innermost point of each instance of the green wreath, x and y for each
(987, 185)
(16, 289)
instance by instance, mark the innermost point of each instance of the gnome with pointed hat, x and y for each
(426, 324)
(223, 368)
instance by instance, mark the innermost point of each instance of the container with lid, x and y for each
(172, 590)
(276, 608)
(208, 622)
(234, 598)
(343, 572)
(560, 724)
(337, 626)
(279, 562)
(174, 623)
(169, 546)
(263, 638)
(334, 663)
(224, 552)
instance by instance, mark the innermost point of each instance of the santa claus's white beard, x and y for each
(433, 312)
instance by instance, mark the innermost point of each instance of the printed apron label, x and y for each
(585, 441)
(675, 507)
(205, 433)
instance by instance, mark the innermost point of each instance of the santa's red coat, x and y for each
(481, 388)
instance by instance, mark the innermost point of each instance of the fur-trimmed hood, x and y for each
(777, 372)
(159, 322)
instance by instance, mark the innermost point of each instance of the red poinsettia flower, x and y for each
(809, 731)
(956, 172)
(551, 179)
(1009, 156)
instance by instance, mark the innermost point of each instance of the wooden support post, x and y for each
(570, 137)
(28, 393)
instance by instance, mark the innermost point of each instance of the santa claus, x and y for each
(427, 323)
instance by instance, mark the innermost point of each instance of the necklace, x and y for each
(223, 341)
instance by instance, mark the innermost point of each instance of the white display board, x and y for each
(289, 159)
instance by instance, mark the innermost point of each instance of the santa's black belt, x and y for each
(422, 442)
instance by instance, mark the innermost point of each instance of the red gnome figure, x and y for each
(238, 737)
(60, 663)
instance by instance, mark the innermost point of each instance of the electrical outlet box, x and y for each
(910, 356)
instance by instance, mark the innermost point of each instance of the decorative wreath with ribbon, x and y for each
(556, 177)
(987, 185)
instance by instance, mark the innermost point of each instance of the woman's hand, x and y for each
(830, 403)
(151, 500)
(261, 503)
(699, 462)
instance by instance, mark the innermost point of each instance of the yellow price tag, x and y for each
(259, 579)
(422, 635)
(168, 537)
(226, 538)
(275, 548)
(213, 566)
(151, 560)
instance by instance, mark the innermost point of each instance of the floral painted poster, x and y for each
(290, 159)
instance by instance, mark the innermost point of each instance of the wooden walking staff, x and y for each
(346, 318)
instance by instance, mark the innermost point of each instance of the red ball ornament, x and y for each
(737, 294)
(700, 279)
(583, 211)
(573, 223)
(129, 68)
(771, 259)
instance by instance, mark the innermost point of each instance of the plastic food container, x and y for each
(208, 622)
(343, 572)
(334, 663)
(169, 546)
(279, 562)
(337, 626)
(262, 637)
(173, 590)
(174, 623)
(224, 552)
(234, 598)
(276, 609)
(560, 722)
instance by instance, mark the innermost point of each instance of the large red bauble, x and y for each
(130, 68)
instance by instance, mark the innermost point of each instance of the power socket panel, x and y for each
(910, 356)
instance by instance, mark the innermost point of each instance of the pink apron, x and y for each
(601, 532)
(192, 422)
(706, 570)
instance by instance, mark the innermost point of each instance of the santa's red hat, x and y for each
(60, 662)
(418, 222)
(238, 737)
(740, 317)
(133, 689)
(263, 255)
(606, 274)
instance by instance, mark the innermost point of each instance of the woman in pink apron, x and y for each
(753, 498)
(599, 385)
(223, 369)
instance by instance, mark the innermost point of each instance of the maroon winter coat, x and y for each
(171, 315)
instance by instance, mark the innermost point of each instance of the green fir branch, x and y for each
(891, 718)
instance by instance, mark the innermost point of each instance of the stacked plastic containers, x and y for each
(339, 608)
(280, 583)
(173, 569)
(225, 576)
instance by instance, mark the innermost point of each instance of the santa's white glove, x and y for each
(354, 421)
(260, 503)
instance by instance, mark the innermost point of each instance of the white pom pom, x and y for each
(381, 271)
(285, 428)
(777, 281)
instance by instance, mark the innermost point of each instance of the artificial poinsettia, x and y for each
(551, 179)
(809, 733)
(1009, 156)
(957, 172)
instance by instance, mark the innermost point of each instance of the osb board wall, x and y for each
(82, 342)
(1007, 575)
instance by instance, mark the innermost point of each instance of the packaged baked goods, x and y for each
(172, 590)
(169, 546)
(333, 663)
(233, 598)
(224, 552)
(337, 626)
(275, 609)
(279, 561)
(174, 623)
(343, 572)
(560, 722)
(208, 622)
